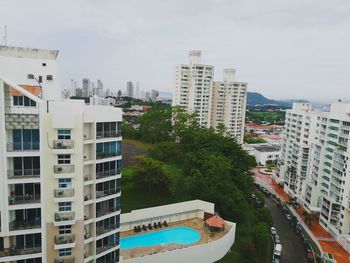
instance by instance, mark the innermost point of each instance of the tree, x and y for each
(150, 175)
(261, 236)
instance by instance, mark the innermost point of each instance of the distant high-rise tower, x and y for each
(73, 88)
(130, 89)
(154, 94)
(214, 102)
(86, 87)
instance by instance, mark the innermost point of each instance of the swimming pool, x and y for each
(176, 235)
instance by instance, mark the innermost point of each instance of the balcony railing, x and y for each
(107, 192)
(107, 211)
(108, 134)
(101, 155)
(64, 216)
(63, 144)
(13, 251)
(27, 224)
(64, 192)
(105, 247)
(20, 173)
(66, 259)
(23, 199)
(102, 230)
(107, 173)
(64, 239)
(63, 168)
(22, 146)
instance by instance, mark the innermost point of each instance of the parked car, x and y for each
(289, 217)
(273, 231)
(309, 255)
(277, 239)
(278, 251)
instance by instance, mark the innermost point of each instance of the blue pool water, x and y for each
(176, 235)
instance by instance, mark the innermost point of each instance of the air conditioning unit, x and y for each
(60, 193)
(30, 76)
(59, 145)
(49, 77)
(59, 169)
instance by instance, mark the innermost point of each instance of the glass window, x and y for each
(65, 183)
(64, 206)
(63, 134)
(65, 252)
(63, 159)
(65, 230)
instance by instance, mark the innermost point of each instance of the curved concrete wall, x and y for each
(204, 253)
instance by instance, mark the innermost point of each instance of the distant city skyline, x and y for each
(284, 49)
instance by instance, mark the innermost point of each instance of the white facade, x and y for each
(266, 153)
(60, 168)
(321, 163)
(215, 102)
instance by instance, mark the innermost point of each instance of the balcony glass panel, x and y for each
(63, 144)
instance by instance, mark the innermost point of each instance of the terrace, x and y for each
(194, 223)
(190, 214)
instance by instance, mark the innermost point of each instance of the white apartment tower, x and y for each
(60, 167)
(215, 102)
(317, 145)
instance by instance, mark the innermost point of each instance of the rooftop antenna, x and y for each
(5, 36)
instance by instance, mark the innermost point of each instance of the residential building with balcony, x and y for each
(60, 165)
(318, 142)
(214, 102)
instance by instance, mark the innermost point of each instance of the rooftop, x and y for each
(22, 52)
(194, 223)
(267, 148)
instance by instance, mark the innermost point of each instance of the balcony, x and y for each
(22, 146)
(107, 192)
(13, 251)
(63, 144)
(27, 224)
(106, 247)
(63, 168)
(108, 134)
(102, 230)
(102, 155)
(64, 192)
(66, 259)
(23, 173)
(106, 211)
(103, 174)
(64, 239)
(23, 199)
(64, 216)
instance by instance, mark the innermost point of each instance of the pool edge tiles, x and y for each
(174, 235)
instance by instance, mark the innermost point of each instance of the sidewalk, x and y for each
(327, 242)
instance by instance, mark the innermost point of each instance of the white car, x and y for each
(273, 231)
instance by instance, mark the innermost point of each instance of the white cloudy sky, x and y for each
(283, 49)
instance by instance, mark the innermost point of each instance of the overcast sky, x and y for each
(283, 49)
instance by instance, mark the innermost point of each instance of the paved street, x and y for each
(292, 247)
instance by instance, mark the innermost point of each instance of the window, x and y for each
(44, 64)
(65, 252)
(63, 134)
(65, 183)
(63, 159)
(40, 79)
(23, 101)
(65, 230)
(64, 206)
(26, 139)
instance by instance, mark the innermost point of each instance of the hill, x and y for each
(256, 98)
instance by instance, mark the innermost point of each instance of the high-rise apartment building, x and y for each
(215, 102)
(154, 94)
(229, 99)
(60, 167)
(73, 88)
(316, 156)
(86, 87)
(130, 89)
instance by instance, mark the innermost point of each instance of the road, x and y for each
(292, 247)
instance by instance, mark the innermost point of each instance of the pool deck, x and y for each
(195, 223)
